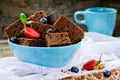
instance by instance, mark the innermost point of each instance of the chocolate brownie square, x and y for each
(32, 42)
(37, 16)
(63, 24)
(15, 28)
(41, 28)
(57, 39)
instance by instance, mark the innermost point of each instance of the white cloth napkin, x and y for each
(92, 47)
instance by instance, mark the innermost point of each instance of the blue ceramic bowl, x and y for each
(45, 56)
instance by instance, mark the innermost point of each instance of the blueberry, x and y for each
(106, 73)
(44, 20)
(75, 69)
(49, 31)
(14, 40)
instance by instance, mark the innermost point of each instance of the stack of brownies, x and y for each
(57, 31)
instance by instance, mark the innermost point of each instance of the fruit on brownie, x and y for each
(49, 31)
(28, 31)
(15, 28)
(32, 42)
(57, 39)
(14, 40)
(44, 20)
(63, 24)
(114, 74)
(31, 33)
(41, 28)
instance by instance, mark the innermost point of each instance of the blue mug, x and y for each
(98, 19)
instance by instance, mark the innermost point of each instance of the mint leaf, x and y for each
(28, 23)
(23, 18)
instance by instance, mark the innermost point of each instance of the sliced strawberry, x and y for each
(30, 32)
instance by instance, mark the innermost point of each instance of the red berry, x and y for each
(30, 32)
(90, 65)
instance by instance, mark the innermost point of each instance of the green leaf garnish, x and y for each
(28, 23)
(23, 18)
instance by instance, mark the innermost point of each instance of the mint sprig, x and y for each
(23, 18)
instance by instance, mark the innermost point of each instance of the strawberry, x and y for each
(92, 64)
(28, 31)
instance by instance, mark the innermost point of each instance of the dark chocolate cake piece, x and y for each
(52, 18)
(37, 16)
(32, 42)
(41, 28)
(57, 39)
(14, 29)
(63, 24)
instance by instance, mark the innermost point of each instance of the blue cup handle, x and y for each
(77, 20)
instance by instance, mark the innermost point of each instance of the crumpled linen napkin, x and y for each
(91, 48)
